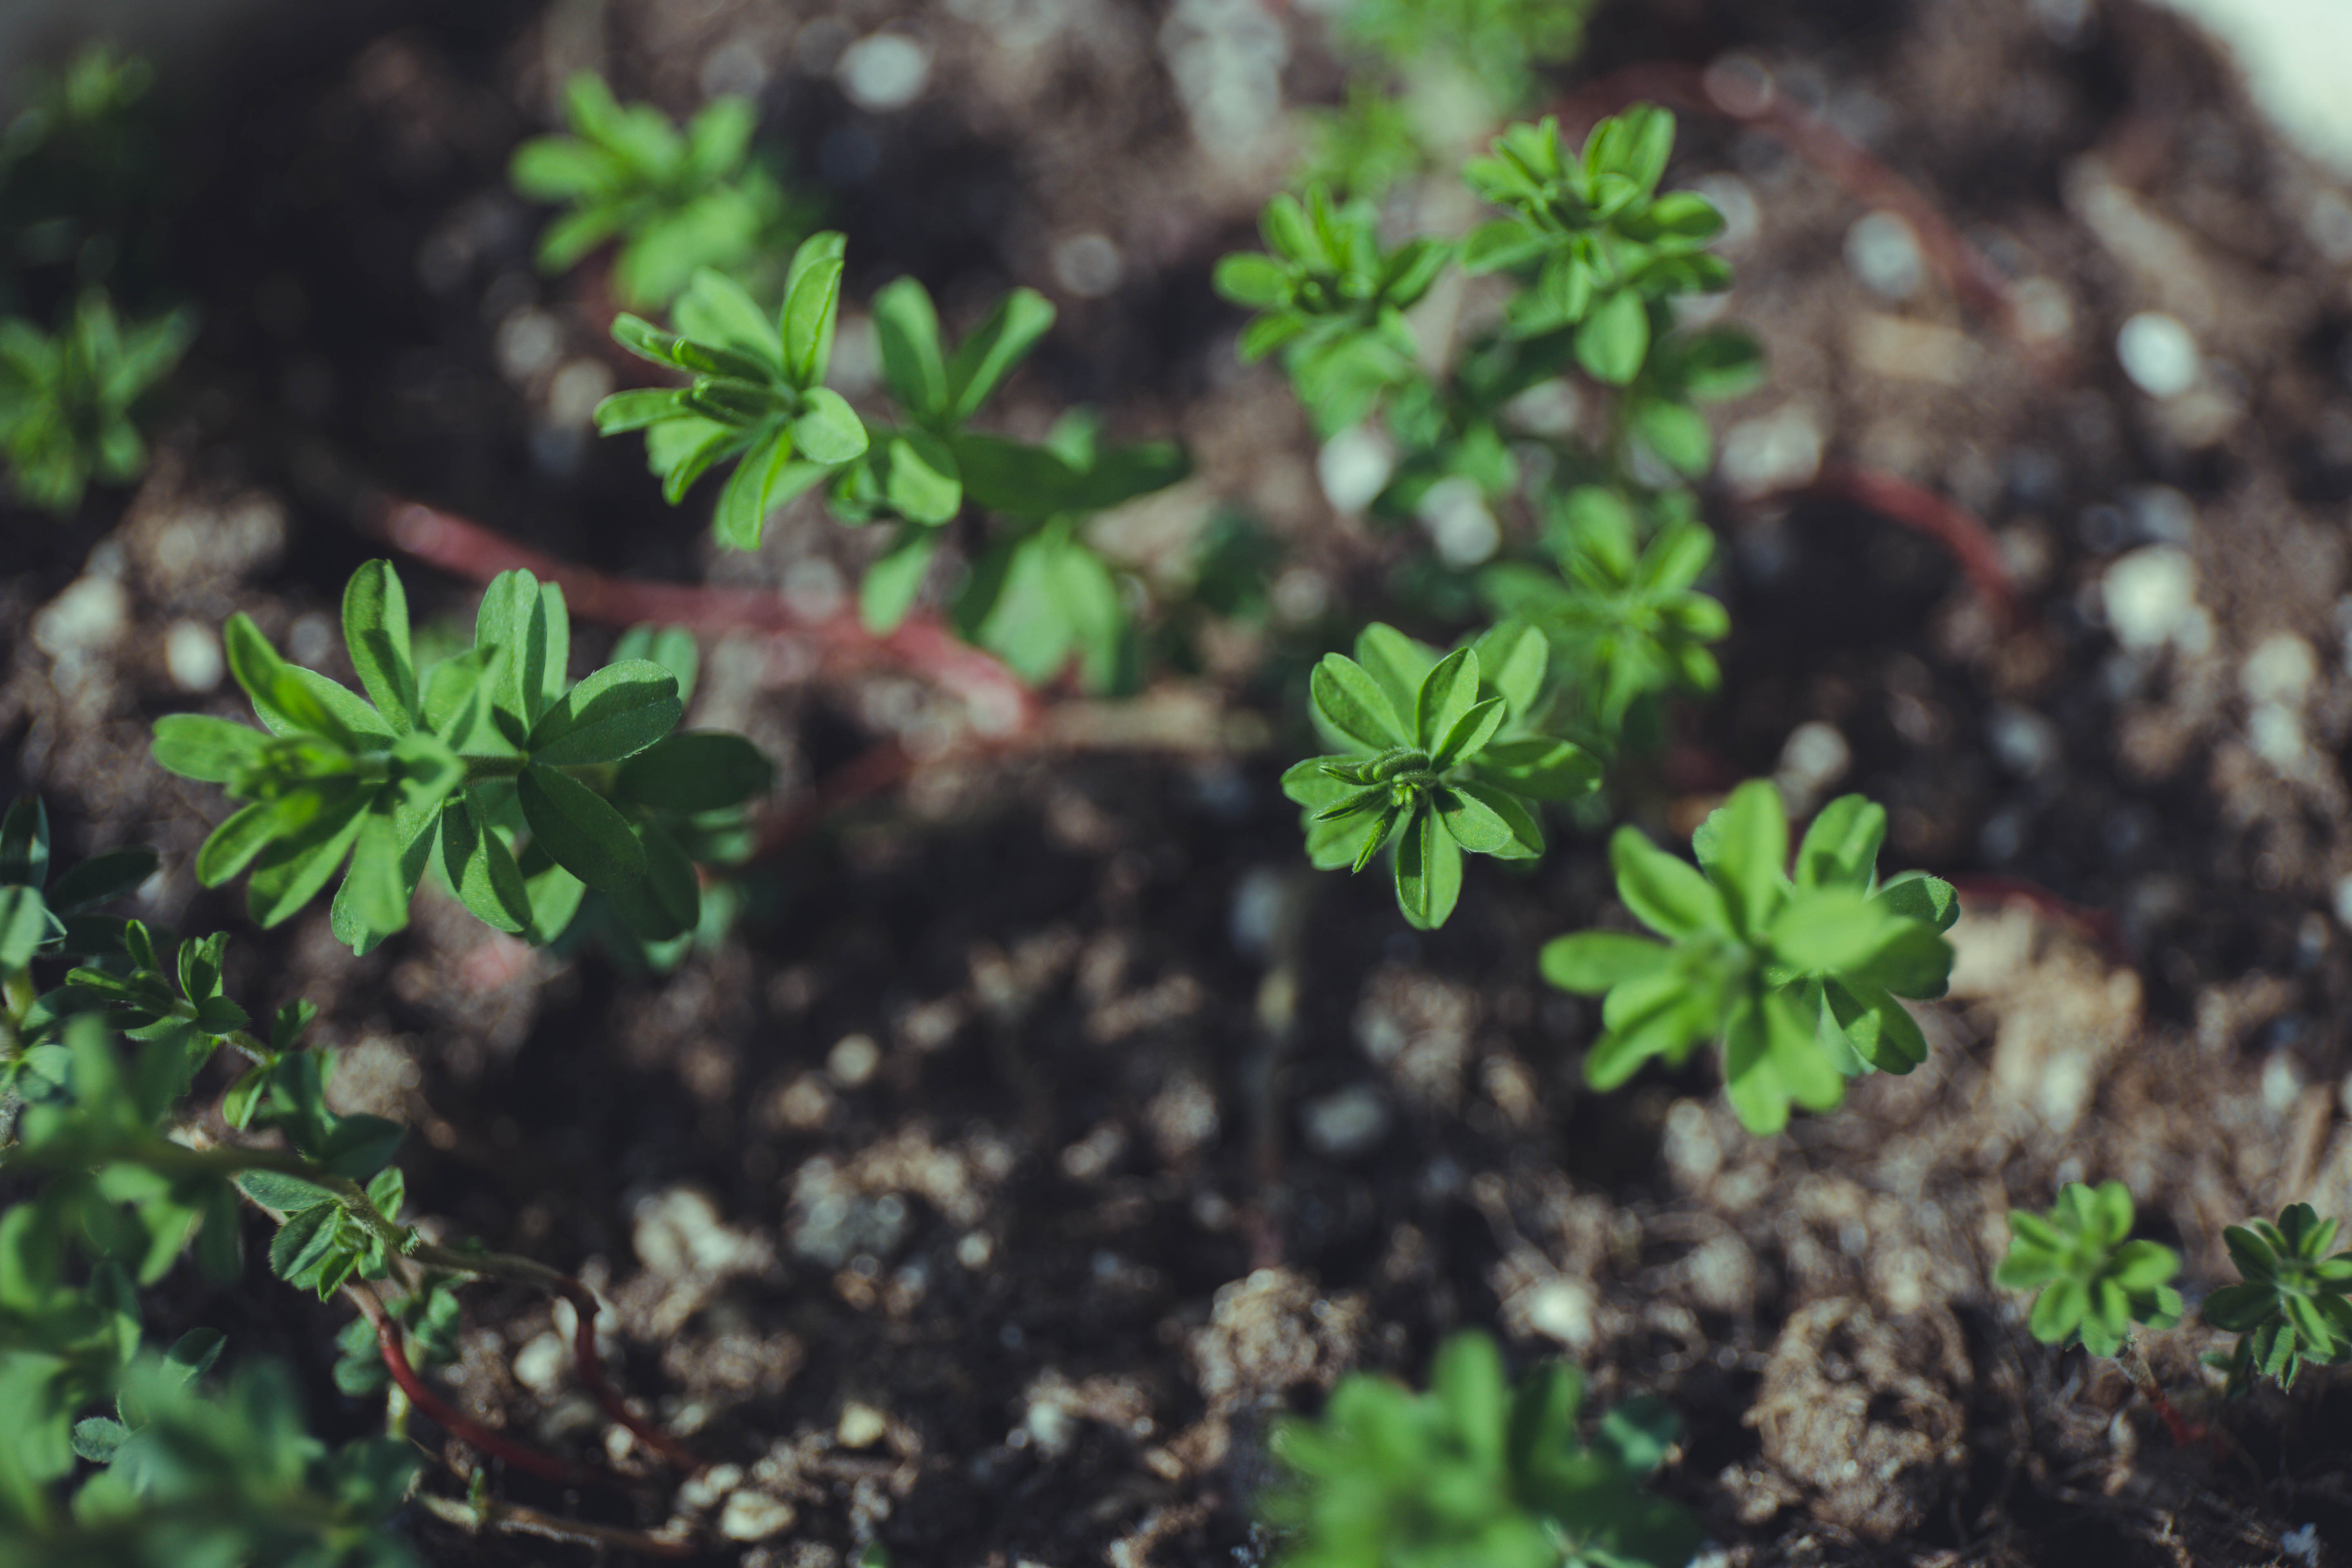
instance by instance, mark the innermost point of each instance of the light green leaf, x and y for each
(1613, 340)
(1665, 893)
(211, 751)
(1592, 962)
(888, 589)
(376, 630)
(1428, 872)
(983, 361)
(812, 298)
(912, 361)
(828, 430)
(743, 511)
(1352, 702)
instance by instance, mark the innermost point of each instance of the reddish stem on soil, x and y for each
(922, 643)
(591, 1368)
(2185, 1433)
(1693, 90)
(1957, 529)
(465, 1427)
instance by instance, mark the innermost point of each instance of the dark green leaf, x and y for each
(696, 771)
(103, 877)
(616, 712)
(580, 829)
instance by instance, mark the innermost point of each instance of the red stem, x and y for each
(1958, 530)
(466, 1429)
(591, 1368)
(922, 643)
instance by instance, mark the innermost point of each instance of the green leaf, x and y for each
(616, 712)
(284, 703)
(481, 866)
(1398, 662)
(1666, 894)
(811, 297)
(1428, 872)
(1467, 1380)
(1352, 702)
(23, 925)
(103, 877)
(1920, 896)
(1677, 432)
(891, 583)
(1752, 846)
(292, 869)
(639, 407)
(1592, 962)
(666, 902)
(303, 1240)
(715, 309)
(378, 895)
(1613, 340)
(912, 361)
(583, 833)
(1881, 1030)
(1469, 733)
(208, 750)
(25, 842)
(1840, 847)
(1523, 840)
(1512, 658)
(983, 361)
(696, 771)
(742, 512)
(1447, 694)
(828, 430)
(376, 630)
(1914, 960)
(1250, 279)
(1826, 930)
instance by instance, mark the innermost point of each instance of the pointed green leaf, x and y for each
(579, 828)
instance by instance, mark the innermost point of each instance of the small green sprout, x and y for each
(1607, 250)
(1431, 763)
(677, 203)
(1495, 47)
(1476, 1474)
(1797, 978)
(2290, 1307)
(66, 400)
(455, 765)
(1624, 612)
(1333, 301)
(39, 918)
(2095, 1283)
(758, 393)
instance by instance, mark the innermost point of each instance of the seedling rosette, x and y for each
(2093, 1283)
(1432, 766)
(1798, 978)
(2290, 1307)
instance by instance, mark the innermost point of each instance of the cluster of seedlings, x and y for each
(538, 801)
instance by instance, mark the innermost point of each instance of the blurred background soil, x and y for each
(1043, 1126)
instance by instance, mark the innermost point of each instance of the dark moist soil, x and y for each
(1042, 1127)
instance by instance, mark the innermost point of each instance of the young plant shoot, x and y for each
(2293, 1304)
(2092, 1282)
(523, 786)
(1796, 977)
(66, 400)
(1442, 759)
(1476, 1474)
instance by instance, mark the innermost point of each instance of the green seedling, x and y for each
(1623, 614)
(1494, 48)
(1605, 249)
(2093, 1283)
(523, 786)
(1442, 759)
(67, 399)
(1798, 978)
(1333, 301)
(1476, 1474)
(757, 395)
(1038, 595)
(2290, 1308)
(676, 202)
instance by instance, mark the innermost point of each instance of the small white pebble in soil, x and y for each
(1814, 757)
(703, 1489)
(1048, 1426)
(1773, 451)
(861, 1425)
(2276, 735)
(2281, 670)
(2150, 596)
(1549, 408)
(192, 655)
(974, 1249)
(1345, 1122)
(574, 390)
(2302, 1543)
(91, 613)
(1883, 253)
(1458, 522)
(1300, 594)
(539, 1365)
(2158, 354)
(528, 342)
(2028, 743)
(853, 1059)
(1354, 467)
(884, 71)
(755, 1516)
(1088, 264)
(1562, 1309)
(2282, 1083)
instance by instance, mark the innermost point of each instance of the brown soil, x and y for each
(1044, 1126)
